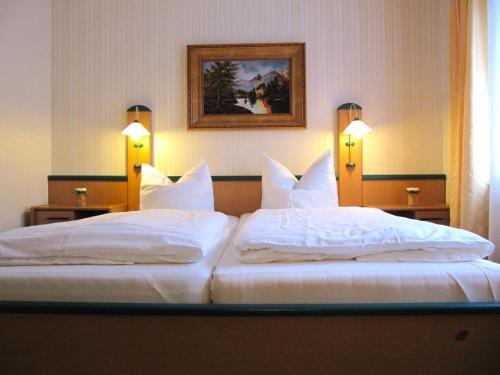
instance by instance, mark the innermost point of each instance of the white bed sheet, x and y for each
(353, 281)
(140, 283)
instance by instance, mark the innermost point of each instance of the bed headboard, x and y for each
(236, 195)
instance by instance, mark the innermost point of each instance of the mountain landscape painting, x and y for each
(246, 87)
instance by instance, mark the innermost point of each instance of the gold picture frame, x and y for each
(246, 86)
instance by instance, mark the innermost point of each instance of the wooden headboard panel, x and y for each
(237, 197)
(133, 173)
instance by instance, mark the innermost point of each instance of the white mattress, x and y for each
(353, 282)
(145, 283)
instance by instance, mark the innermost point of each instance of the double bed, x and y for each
(332, 316)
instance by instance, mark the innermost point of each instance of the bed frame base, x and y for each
(249, 342)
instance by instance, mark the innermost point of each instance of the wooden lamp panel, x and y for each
(350, 186)
(134, 174)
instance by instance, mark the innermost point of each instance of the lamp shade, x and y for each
(357, 128)
(135, 130)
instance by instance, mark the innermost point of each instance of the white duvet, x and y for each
(365, 234)
(150, 236)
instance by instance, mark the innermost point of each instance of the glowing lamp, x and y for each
(136, 130)
(356, 128)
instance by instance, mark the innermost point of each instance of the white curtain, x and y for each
(469, 121)
(494, 95)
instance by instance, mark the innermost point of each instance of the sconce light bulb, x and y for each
(357, 128)
(135, 130)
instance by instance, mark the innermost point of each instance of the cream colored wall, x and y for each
(25, 107)
(390, 56)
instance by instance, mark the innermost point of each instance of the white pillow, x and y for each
(317, 188)
(193, 191)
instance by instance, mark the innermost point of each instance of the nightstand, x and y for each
(47, 214)
(438, 213)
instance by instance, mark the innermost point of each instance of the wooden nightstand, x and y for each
(438, 213)
(47, 214)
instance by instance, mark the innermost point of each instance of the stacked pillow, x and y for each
(317, 188)
(193, 191)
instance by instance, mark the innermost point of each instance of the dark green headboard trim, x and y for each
(142, 108)
(86, 178)
(251, 310)
(228, 178)
(124, 178)
(252, 178)
(349, 106)
(404, 177)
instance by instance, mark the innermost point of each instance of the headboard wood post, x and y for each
(350, 184)
(134, 174)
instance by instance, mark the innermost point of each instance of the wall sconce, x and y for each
(356, 128)
(136, 130)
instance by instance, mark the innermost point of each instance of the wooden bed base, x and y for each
(82, 338)
(76, 338)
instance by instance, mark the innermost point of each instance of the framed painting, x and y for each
(246, 86)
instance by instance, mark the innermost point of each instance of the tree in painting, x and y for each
(219, 94)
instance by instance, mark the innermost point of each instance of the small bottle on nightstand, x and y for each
(81, 196)
(412, 195)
